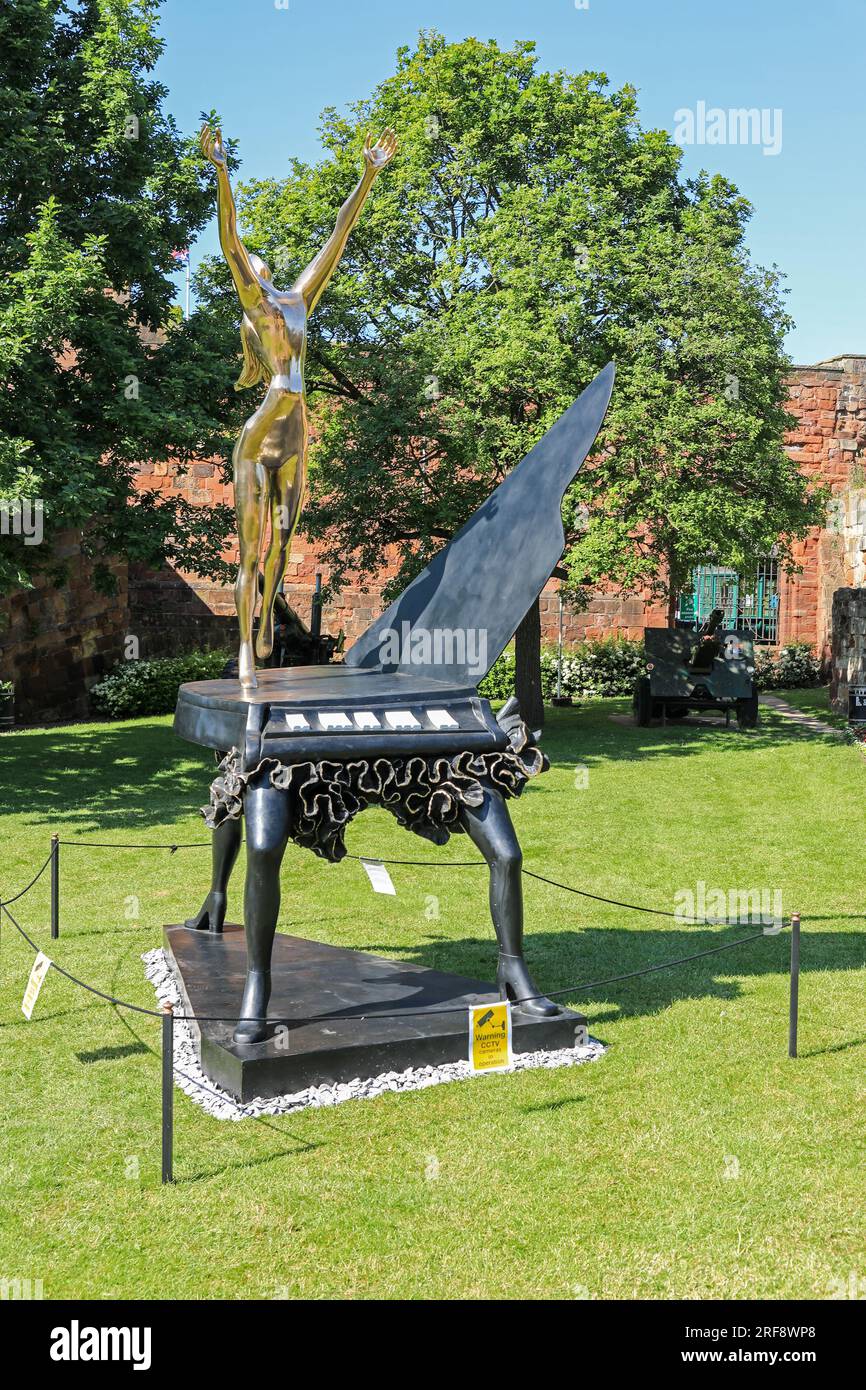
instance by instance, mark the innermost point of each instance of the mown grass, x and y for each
(815, 701)
(695, 1160)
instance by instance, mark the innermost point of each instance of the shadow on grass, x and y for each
(591, 735)
(114, 1054)
(91, 778)
(570, 961)
(833, 1047)
(551, 1106)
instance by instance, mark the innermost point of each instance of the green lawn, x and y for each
(694, 1160)
(815, 701)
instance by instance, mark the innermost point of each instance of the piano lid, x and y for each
(458, 614)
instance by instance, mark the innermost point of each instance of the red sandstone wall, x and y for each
(830, 402)
(172, 611)
(56, 642)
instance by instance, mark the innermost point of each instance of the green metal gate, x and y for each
(747, 601)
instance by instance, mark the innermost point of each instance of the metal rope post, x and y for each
(167, 1093)
(794, 1010)
(55, 887)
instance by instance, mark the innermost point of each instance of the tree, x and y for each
(532, 231)
(97, 190)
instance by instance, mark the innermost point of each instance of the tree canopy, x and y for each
(531, 231)
(97, 189)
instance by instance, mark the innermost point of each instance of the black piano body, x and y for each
(307, 713)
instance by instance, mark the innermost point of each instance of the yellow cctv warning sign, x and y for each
(490, 1036)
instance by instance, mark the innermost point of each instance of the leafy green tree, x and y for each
(99, 374)
(531, 231)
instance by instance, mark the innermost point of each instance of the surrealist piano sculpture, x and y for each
(400, 725)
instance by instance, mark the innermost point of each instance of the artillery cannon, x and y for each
(713, 668)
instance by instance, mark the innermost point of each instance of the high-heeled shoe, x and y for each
(212, 914)
(514, 982)
(252, 1026)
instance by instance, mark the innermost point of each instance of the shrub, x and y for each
(611, 667)
(150, 687)
(793, 666)
(608, 667)
(498, 684)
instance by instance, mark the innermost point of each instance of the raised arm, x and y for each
(237, 257)
(312, 281)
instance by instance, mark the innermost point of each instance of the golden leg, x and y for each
(286, 496)
(251, 506)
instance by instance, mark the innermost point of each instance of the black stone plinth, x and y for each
(315, 988)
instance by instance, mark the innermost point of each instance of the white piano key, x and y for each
(296, 721)
(334, 719)
(441, 719)
(401, 719)
(366, 719)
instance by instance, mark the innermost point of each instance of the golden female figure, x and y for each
(270, 454)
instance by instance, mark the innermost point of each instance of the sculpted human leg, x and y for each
(225, 847)
(285, 500)
(266, 812)
(251, 505)
(490, 829)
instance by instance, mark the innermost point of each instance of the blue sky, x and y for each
(271, 70)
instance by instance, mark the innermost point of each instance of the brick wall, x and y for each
(54, 643)
(829, 400)
(172, 611)
(828, 444)
(848, 663)
(57, 641)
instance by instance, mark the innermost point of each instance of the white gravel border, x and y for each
(218, 1103)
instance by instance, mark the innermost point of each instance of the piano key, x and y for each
(334, 719)
(366, 719)
(296, 721)
(401, 719)
(441, 719)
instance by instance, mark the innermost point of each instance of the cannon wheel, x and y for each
(643, 705)
(747, 711)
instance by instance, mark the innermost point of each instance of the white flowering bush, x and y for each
(790, 668)
(610, 667)
(150, 687)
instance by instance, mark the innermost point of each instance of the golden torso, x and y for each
(277, 431)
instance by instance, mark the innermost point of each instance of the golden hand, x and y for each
(212, 146)
(380, 154)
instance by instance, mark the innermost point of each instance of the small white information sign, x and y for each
(41, 966)
(379, 876)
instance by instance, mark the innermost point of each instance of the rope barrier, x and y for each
(33, 881)
(399, 1014)
(91, 989)
(97, 844)
(167, 1015)
(632, 907)
(417, 863)
(433, 864)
